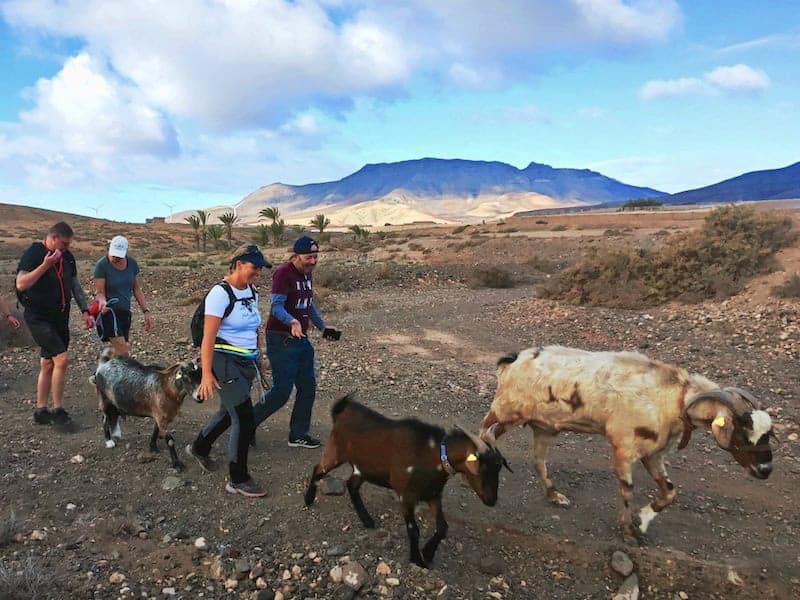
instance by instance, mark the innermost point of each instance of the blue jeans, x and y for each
(292, 363)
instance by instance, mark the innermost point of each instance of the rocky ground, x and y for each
(95, 523)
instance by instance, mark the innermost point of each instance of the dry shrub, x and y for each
(734, 244)
(542, 264)
(25, 581)
(559, 228)
(789, 288)
(490, 277)
(459, 229)
(9, 528)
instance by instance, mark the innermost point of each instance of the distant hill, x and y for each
(436, 190)
(772, 184)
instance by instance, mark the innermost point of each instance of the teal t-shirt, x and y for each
(119, 284)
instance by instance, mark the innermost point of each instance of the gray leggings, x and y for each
(235, 376)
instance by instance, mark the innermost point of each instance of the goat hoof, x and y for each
(369, 523)
(559, 499)
(179, 467)
(110, 443)
(420, 562)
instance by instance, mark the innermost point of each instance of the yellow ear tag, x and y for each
(472, 458)
(719, 422)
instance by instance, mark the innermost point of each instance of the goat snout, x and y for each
(761, 471)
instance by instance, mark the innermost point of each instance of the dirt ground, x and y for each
(417, 341)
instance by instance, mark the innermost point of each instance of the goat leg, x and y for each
(429, 550)
(176, 462)
(154, 440)
(666, 491)
(353, 483)
(622, 467)
(542, 440)
(311, 491)
(413, 533)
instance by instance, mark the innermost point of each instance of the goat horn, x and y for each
(488, 436)
(748, 396)
(720, 395)
(479, 443)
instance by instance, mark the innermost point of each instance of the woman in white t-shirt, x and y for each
(229, 358)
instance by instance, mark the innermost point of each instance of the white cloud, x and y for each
(739, 78)
(665, 88)
(637, 21)
(90, 113)
(529, 113)
(735, 79)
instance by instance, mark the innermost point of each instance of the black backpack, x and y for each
(198, 318)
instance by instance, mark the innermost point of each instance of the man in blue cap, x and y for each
(290, 353)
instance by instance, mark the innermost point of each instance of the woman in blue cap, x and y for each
(229, 357)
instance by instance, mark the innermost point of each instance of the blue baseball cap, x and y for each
(305, 245)
(253, 256)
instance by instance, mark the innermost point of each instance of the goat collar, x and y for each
(448, 468)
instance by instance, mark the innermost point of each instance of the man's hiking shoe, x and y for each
(206, 462)
(249, 489)
(42, 416)
(303, 441)
(61, 417)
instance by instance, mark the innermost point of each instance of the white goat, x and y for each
(644, 407)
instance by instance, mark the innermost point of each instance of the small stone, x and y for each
(261, 583)
(683, 595)
(621, 563)
(231, 584)
(168, 591)
(392, 581)
(490, 565)
(77, 459)
(200, 543)
(337, 550)
(296, 571)
(71, 506)
(242, 566)
(116, 578)
(279, 595)
(629, 590)
(171, 483)
(383, 569)
(287, 575)
(336, 574)
(37, 535)
(331, 486)
(354, 575)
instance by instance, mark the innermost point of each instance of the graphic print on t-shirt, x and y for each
(304, 293)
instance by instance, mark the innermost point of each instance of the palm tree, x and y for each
(262, 235)
(320, 222)
(195, 223)
(278, 231)
(215, 232)
(202, 216)
(271, 212)
(228, 220)
(359, 232)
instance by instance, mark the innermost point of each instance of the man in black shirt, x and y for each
(47, 279)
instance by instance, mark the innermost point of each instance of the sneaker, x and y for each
(303, 441)
(249, 489)
(60, 417)
(206, 462)
(42, 416)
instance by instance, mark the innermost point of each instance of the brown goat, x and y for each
(413, 458)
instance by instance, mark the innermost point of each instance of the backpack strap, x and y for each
(232, 299)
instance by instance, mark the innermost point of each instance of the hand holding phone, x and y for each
(331, 333)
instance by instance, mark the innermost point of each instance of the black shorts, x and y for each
(51, 334)
(114, 323)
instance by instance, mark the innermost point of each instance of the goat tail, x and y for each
(507, 359)
(341, 404)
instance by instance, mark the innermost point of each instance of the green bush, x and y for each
(490, 277)
(789, 288)
(459, 229)
(734, 244)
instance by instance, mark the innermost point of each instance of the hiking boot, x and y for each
(42, 416)
(206, 462)
(61, 417)
(303, 441)
(249, 489)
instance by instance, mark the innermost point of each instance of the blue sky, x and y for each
(136, 108)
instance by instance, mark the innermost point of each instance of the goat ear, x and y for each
(722, 428)
(471, 463)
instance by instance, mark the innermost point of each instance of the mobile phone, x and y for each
(329, 333)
